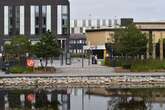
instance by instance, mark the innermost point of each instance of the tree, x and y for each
(130, 41)
(46, 48)
(18, 47)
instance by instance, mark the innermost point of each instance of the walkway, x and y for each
(76, 70)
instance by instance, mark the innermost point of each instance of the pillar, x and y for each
(61, 43)
(161, 46)
(105, 55)
(147, 51)
(154, 47)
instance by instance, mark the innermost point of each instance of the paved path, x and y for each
(76, 70)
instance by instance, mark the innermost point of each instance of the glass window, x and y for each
(44, 21)
(104, 22)
(44, 30)
(64, 30)
(75, 23)
(109, 23)
(37, 30)
(84, 23)
(64, 9)
(36, 10)
(72, 30)
(80, 41)
(98, 23)
(89, 22)
(44, 9)
(10, 20)
(81, 30)
(17, 19)
(37, 21)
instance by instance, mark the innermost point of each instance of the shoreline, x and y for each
(69, 82)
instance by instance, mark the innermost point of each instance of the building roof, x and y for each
(150, 22)
(142, 29)
(77, 36)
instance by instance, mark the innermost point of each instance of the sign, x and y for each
(30, 62)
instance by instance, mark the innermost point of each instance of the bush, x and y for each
(20, 69)
(140, 65)
(126, 65)
(148, 66)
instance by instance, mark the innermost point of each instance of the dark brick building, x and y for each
(34, 17)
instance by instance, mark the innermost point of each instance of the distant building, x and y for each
(78, 29)
(97, 38)
(79, 26)
(77, 41)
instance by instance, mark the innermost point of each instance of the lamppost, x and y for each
(1, 57)
(82, 57)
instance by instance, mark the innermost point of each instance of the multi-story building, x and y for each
(78, 29)
(97, 38)
(79, 26)
(77, 41)
(34, 17)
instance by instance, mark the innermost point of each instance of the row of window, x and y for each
(75, 50)
(77, 41)
(40, 19)
(90, 23)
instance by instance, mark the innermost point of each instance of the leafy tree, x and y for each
(46, 48)
(18, 47)
(130, 41)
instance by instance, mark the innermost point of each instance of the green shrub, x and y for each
(126, 65)
(148, 66)
(20, 69)
(139, 65)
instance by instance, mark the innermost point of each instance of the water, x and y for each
(82, 99)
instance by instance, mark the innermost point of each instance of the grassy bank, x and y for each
(140, 65)
(18, 69)
(148, 66)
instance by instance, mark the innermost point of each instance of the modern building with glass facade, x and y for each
(33, 18)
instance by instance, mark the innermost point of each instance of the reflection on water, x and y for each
(83, 99)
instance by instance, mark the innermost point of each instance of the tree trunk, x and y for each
(41, 63)
(46, 62)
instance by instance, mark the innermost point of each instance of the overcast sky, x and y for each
(140, 10)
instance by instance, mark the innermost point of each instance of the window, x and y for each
(89, 23)
(64, 9)
(62, 20)
(75, 23)
(44, 9)
(104, 22)
(98, 23)
(44, 12)
(44, 21)
(109, 23)
(80, 41)
(72, 30)
(10, 15)
(37, 21)
(36, 10)
(44, 30)
(17, 19)
(84, 23)
(37, 30)
(81, 30)
(64, 30)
